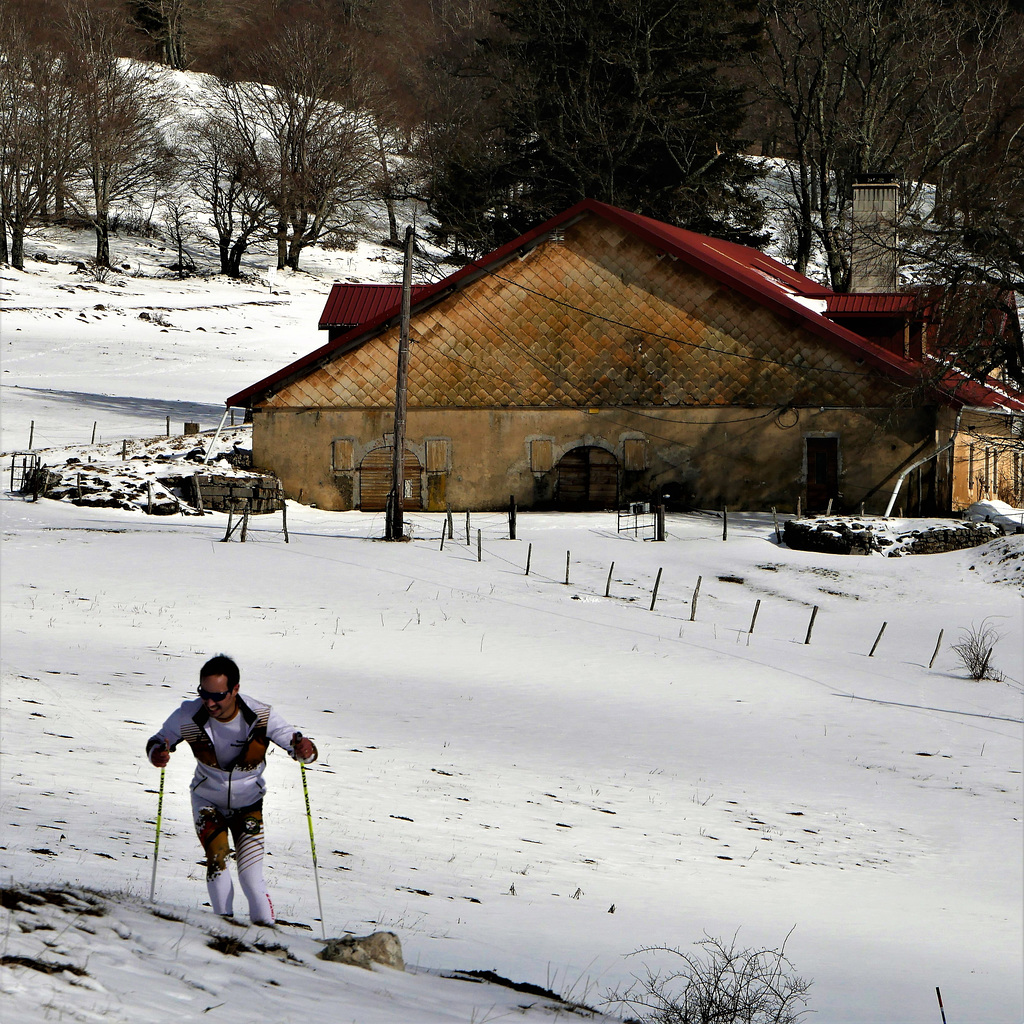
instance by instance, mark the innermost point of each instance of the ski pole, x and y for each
(312, 846)
(156, 844)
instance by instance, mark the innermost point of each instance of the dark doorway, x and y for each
(822, 472)
(588, 479)
(375, 480)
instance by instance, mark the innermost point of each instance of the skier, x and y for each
(229, 733)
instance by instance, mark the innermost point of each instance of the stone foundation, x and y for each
(857, 536)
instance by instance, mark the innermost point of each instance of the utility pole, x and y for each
(395, 528)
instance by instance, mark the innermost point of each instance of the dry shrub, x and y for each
(720, 984)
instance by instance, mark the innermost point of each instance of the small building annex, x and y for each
(605, 357)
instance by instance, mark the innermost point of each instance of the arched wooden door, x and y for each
(588, 479)
(375, 480)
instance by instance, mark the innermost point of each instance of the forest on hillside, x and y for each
(493, 115)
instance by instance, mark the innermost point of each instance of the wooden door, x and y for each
(375, 480)
(588, 479)
(822, 472)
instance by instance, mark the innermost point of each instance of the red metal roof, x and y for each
(351, 304)
(872, 304)
(746, 270)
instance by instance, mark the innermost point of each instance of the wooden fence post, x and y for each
(654, 596)
(94, 426)
(725, 522)
(511, 517)
(798, 506)
(529, 555)
(284, 513)
(467, 527)
(659, 522)
(231, 516)
(753, 618)
(693, 602)
(479, 545)
(567, 555)
(778, 532)
(871, 653)
(451, 524)
(810, 625)
(608, 585)
(245, 521)
(938, 644)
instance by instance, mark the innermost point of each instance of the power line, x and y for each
(677, 414)
(701, 346)
(679, 341)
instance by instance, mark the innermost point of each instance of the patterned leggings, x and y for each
(246, 828)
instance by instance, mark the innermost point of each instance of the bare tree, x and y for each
(168, 23)
(298, 116)
(396, 174)
(217, 167)
(121, 108)
(38, 144)
(179, 228)
(866, 87)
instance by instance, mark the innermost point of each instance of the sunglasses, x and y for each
(210, 695)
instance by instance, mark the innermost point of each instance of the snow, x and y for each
(999, 512)
(482, 731)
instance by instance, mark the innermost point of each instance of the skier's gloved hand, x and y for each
(303, 749)
(160, 754)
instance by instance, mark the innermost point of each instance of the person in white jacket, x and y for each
(229, 733)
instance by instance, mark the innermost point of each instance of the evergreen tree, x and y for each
(625, 101)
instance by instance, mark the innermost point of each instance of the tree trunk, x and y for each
(234, 265)
(389, 199)
(18, 244)
(282, 242)
(102, 226)
(298, 239)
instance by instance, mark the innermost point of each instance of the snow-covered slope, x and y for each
(518, 775)
(521, 775)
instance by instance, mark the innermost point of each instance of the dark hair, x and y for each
(221, 665)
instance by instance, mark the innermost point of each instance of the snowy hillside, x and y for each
(519, 775)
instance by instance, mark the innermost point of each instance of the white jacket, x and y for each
(240, 783)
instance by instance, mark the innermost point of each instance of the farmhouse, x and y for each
(605, 357)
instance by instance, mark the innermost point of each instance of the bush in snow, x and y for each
(720, 984)
(975, 650)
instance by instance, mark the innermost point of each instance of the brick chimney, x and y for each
(876, 209)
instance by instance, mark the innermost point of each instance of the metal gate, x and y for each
(23, 466)
(375, 480)
(588, 479)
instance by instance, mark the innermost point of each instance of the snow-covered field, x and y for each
(517, 775)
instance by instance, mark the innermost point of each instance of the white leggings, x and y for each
(246, 828)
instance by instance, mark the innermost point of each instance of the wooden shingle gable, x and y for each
(601, 318)
(749, 278)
